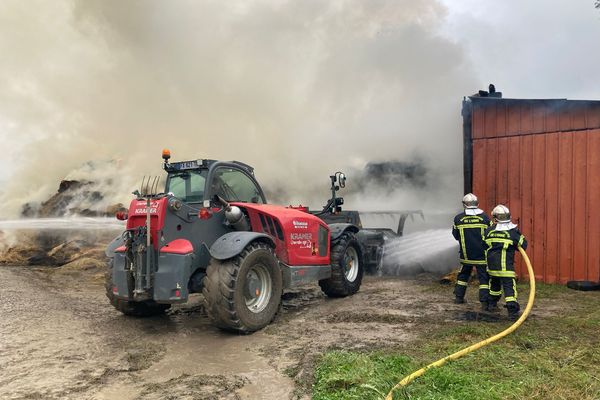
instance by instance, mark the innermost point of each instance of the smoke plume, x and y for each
(296, 89)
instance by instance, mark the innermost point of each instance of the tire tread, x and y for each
(219, 290)
(338, 285)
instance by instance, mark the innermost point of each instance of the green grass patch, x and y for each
(552, 357)
(347, 375)
(544, 290)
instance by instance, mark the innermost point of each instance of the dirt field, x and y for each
(60, 339)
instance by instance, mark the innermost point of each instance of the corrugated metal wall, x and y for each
(541, 158)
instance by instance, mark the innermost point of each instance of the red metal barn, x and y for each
(541, 158)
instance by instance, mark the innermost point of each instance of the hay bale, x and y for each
(83, 264)
(450, 278)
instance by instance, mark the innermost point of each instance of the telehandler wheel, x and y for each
(243, 293)
(346, 267)
(131, 308)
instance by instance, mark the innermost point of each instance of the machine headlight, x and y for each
(174, 204)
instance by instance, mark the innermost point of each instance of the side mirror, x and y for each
(342, 180)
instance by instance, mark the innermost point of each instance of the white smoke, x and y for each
(296, 89)
(531, 49)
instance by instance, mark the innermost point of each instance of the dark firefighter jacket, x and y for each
(500, 253)
(469, 230)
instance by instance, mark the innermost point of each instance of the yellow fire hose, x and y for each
(476, 346)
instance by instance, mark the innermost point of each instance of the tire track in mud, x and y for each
(54, 343)
(60, 339)
(386, 313)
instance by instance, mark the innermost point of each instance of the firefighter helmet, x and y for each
(501, 213)
(470, 201)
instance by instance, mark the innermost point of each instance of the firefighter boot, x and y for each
(492, 306)
(513, 310)
(460, 290)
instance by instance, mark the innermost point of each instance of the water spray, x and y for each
(62, 224)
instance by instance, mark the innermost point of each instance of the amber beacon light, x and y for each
(166, 154)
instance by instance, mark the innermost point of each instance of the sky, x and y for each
(530, 49)
(95, 89)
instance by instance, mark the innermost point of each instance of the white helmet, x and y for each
(501, 213)
(470, 201)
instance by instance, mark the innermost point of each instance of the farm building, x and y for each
(541, 158)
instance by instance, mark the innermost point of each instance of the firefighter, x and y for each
(502, 240)
(469, 227)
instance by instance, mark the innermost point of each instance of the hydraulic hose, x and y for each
(408, 379)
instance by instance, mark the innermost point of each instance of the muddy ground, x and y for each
(60, 339)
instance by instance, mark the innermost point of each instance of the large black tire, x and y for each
(585, 286)
(346, 267)
(243, 293)
(131, 308)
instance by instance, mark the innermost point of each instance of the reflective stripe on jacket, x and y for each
(469, 231)
(500, 253)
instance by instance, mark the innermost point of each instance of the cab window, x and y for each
(233, 185)
(188, 185)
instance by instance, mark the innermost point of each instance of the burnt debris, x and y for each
(72, 198)
(396, 173)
